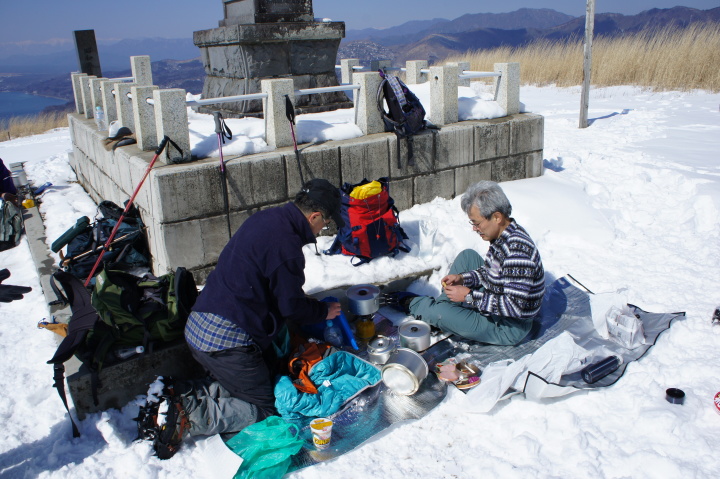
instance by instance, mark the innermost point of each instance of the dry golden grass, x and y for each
(17, 127)
(659, 60)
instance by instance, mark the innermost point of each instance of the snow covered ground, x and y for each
(631, 203)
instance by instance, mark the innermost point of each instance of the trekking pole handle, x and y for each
(162, 145)
(217, 116)
(289, 109)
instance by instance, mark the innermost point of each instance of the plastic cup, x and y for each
(321, 430)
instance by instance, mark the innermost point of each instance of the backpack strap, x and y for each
(83, 319)
(411, 155)
(335, 247)
(59, 384)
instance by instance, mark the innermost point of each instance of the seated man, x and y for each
(255, 289)
(492, 301)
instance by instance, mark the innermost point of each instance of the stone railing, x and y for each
(152, 113)
(181, 205)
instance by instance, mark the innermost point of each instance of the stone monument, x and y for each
(263, 39)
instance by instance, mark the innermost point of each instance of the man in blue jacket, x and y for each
(255, 289)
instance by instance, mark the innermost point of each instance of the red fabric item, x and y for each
(302, 361)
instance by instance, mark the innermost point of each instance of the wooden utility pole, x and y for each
(587, 62)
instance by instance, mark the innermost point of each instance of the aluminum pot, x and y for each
(414, 335)
(19, 178)
(379, 349)
(363, 299)
(404, 372)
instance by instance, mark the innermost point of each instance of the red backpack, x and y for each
(371, 225)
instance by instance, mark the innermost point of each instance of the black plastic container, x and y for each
(600, 369)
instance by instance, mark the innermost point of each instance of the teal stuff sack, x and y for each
(266, 448)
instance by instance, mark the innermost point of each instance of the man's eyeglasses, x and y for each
(327, 222)
(478, 224)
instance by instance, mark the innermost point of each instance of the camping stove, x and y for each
(364, 301)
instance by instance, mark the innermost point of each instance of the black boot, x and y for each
(399, 300)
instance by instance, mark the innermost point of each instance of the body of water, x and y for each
(22, 104)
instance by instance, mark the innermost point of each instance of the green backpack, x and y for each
(123, 311)
(138, 311)
(11, 225)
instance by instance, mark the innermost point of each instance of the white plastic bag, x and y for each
(625, 328)
(428, 231)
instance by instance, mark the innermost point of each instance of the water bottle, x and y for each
(125, 353)
(332, 334)
(100, 118)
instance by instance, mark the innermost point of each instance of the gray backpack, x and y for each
(11, 225)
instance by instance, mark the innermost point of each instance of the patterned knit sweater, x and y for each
(513, 277)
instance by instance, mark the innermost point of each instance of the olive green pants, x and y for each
(464, 320)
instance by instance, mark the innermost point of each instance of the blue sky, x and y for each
(46, 20)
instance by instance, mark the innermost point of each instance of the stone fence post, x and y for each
(124, 105)
(77, 81)
(141, 70)
(413, 75)
(171, 120)
(507, 87)
(368, 117)
(346, 69)
(96, 92)
(108, 101)
(444, 94)
(462, 67)
(277, 128)
(376, 65)
(87, 98)
(144, 117)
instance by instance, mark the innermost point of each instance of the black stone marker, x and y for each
(88, 58)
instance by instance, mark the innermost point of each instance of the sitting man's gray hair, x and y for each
(488, 197)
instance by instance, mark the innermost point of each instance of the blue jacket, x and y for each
(258, 280)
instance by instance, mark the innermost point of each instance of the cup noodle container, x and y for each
(321, 430)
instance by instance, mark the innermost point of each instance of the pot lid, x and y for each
(400, 379)
(414, 329)
(381, 345)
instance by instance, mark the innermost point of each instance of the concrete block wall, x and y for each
(182, 204)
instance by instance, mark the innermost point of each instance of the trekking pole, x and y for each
(66, 262)
(159, 150)
(290, 113)
(223, 132)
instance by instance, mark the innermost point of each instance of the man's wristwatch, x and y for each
(469, 298)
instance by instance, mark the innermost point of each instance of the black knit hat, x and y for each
(322, 192)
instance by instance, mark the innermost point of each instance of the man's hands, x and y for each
(333, 310)
(452, 280)
(454, 289)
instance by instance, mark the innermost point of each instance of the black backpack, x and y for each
(405, 114)
(11, 225)
(124, 311)
(85, 242)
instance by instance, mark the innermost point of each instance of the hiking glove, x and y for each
(9, 292)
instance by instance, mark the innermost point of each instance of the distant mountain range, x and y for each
(441, 38)
(44, 69)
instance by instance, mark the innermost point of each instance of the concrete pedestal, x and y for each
(238, 57)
